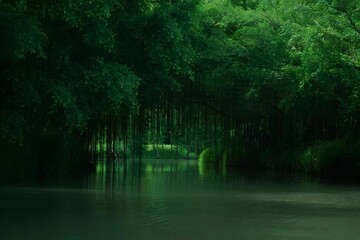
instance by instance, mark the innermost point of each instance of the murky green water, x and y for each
(171, 199)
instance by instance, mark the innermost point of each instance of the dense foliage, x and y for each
(254, 79)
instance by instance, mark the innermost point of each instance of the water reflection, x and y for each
(170, 199)
(146, 175)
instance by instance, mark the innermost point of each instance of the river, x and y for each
(172, 199)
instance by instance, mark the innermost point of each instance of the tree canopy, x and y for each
(250, 74)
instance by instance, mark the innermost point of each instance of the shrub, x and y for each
(207, 157)
(336, 157)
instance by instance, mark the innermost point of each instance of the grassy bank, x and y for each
(167, 151)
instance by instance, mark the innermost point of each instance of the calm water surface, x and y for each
(172, 199)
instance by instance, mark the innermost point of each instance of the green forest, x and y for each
(243, 84)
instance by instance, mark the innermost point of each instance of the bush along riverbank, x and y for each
(338, 158)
